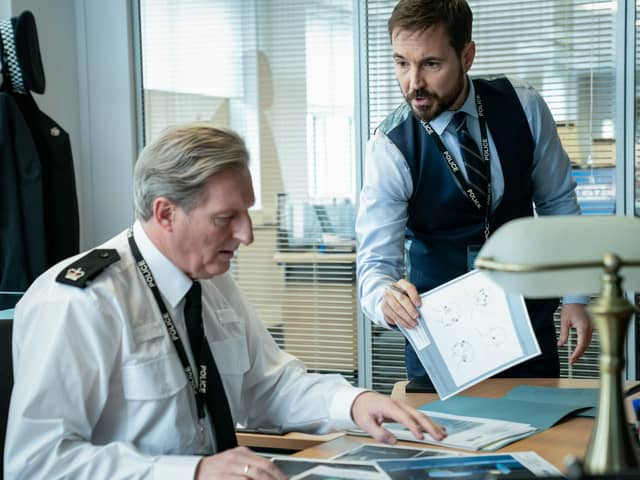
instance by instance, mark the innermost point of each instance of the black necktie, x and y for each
(478, 170)
(216, 398)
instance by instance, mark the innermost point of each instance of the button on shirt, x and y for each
(100, 391)
(388, 186)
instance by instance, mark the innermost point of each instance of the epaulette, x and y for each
(85, 269)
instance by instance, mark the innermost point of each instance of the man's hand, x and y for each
(575, 315)
(399, 304)
(371, 409)
(237, 463)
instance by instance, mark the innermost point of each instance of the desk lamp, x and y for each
(560, 255)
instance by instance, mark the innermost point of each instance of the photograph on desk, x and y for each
(476, 467)
(470, 329)
(368, 452)
(330, 472)
(292, 467)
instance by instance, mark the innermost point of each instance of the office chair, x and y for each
(6, 382)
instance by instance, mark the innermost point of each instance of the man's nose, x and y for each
(244, 230)
(416, 82)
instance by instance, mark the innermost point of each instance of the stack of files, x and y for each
(497, 422)
(541, 407)
(464, 432)
(468, 433)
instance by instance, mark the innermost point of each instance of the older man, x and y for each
(137, 359)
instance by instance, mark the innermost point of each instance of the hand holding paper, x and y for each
(470, 329)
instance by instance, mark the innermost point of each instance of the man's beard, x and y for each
(439, 105)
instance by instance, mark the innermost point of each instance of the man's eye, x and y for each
(221, 221)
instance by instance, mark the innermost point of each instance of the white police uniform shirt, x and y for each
(99, 389)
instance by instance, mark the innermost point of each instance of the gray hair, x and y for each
(179, 163)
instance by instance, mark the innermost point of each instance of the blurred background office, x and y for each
(305, 82)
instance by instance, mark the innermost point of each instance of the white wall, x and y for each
(5, 9)
(85, 48)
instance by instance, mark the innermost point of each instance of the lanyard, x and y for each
(455, 169)
(199, 387)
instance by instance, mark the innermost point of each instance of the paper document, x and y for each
(294, 467)
(470, 329)
(467, 433)
(368, 452)
(329, 472)
(516, 464)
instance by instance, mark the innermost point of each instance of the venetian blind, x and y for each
(563, 48)
(280, 73)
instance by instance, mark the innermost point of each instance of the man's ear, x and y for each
(468, 55)
(164, 211)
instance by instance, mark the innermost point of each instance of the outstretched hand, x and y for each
(371, 409)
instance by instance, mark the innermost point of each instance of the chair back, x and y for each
(6, 382)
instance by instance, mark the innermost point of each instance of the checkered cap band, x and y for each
(10, 59)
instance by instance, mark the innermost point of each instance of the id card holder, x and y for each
(472, 253)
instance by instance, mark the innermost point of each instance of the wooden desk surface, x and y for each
(569, 438)
(293, 441)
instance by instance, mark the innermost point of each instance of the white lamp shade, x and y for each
(556, 240)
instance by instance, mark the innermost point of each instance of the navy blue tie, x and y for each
(478, 170)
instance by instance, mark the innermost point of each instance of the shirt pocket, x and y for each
(153, 379)
(232, 360)
(231, 355)
(228, 343)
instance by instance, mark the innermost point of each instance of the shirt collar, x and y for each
(441, 122)
(172, 282)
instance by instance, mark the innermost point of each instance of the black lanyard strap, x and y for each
(466, 187)
(199, 388)
(215, 397)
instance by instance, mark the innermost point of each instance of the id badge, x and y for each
(472, 253)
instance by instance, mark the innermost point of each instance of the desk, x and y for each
(568, 438)
(293, 441)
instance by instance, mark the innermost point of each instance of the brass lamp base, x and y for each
(611, 448)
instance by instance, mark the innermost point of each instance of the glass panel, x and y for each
(279, 72)
(565, 49)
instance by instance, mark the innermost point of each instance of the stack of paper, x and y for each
(468, 433)
(542, 407)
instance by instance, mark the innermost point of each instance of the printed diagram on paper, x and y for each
(471, 326)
